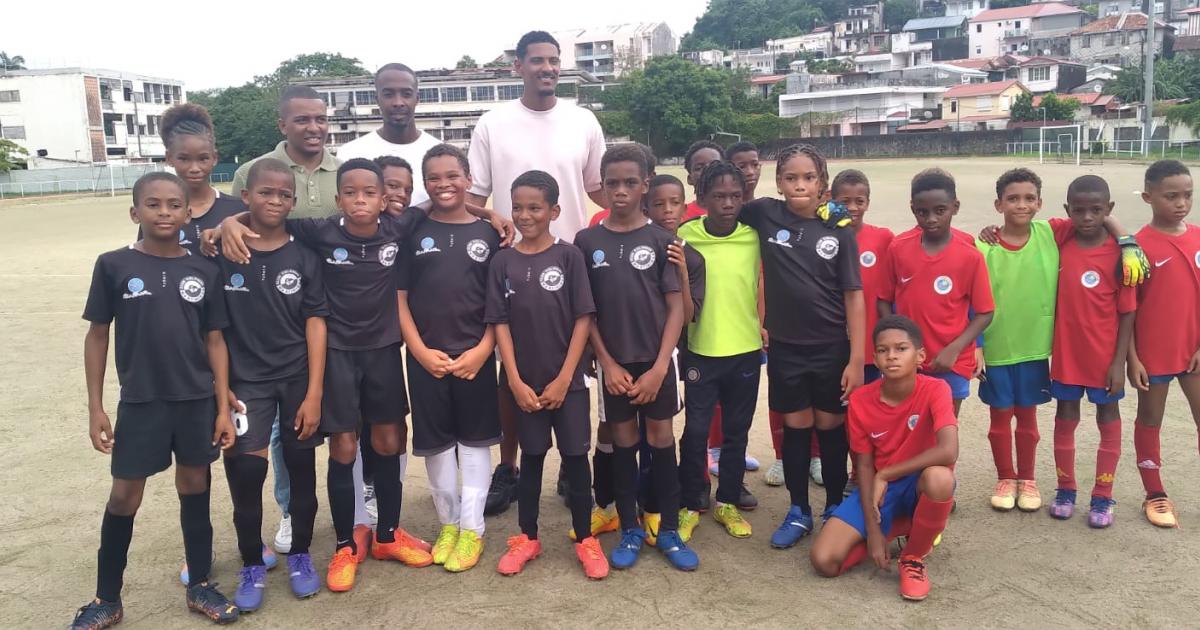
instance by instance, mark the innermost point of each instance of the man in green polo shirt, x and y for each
(303, 122)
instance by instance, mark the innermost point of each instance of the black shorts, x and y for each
(572, 425)
(148, 433)
(363, 387)
(619, 409)
(800, 377)
(450, 410)
(268, 403)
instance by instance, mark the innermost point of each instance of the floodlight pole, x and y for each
(1148, 92)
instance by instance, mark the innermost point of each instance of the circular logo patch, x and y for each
(912, 421)
(340, 254)
(642, 257)
(783, 236)
(237, 280)
(597, 256)
(943, 285)
(427, 242)
(1089, 279)
(182, 236)
(191, 289)
(387, 254)
(135, 285)
(1198, 258)
(241, 422)
(287, 281)
(478, 250)
(867, 259)
(693, 375)
(551, 278)
(827, 247)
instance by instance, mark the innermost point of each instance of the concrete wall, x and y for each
(901, 145)
(53, 114)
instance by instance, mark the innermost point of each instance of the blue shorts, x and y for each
(871, 374)
(1166, 378)
(1095, 395)
(1018, 385)
(960, 387)
(900, 500)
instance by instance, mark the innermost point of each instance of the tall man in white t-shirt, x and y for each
(534, 132)
(396, 94)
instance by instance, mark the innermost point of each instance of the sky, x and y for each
(219, 43)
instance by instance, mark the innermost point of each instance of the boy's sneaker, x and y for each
(746, 500)
(342, 568)
(269, 558)
(1064, 504)
(815, 472)
(1004, 497)
(521, 549)
(604, 519)
(283, 535)
(363, 535)
(752, 463)
(591, 556)
(205, 599)
(1028, 497)
(252, 585)
(796, 525)
(1160, 511)
(444, 545)
(688, 520)
(677, 552)
(650, 524)
(372, 505)
(503, 490)
(466, 552)
(403, 549)
(98, 614)
(774, 475)
(914, 579)
(729, 516)
(714, 461)
(625, 554)
(1100, 515)
(303, 576)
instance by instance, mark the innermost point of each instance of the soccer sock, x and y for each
(1107, 456)
(115, 534)
(814, 451)
(359, 505)
(624, 462)
(1064, 452)
(388, 491)
(576, 468)
(339, 482)
(476, 465)
(797, 454)
(443, 485)
(929, 519)
(716, 434)
(529, 493)
(665, 478)
(246, 474)
(855, 556)
(1000, 436)
(302, 472)
(1147, 449)
(835, 447)
(1027, 441)
(602, 474)
(402, 466)
(197, 535)
(776, 421)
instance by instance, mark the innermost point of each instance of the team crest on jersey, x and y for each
(136, 288)
(598, 259)
(827, 247)
(340, 257)
(288, 281)
(387, 254)
(478, 250)
(693, 375)
(552, 278)
(428, 246)
(867, 259)
(1197, 258)
(183, 239)
(191, 289)
(237, 282)
(781, 238)
(1089, 279)
(943, 285)
(912, 421)
(642, 257)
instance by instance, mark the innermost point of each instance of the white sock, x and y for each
(360, 504)
(443, 485)
(604, 448)
(476, 465)
(403, 465)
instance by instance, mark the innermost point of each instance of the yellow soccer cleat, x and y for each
(603, 520)
(444, 545)
(466, 552)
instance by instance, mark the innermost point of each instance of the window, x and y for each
(178, 92)
(150, 128)
(1017, 25)
(454, 94)
(510, 92)
(978, 50)
(10, 96)
(129, 123)
(127, 92)
(978, 28)
(13, 133)
(456, 134)
(954, 106)
(428, 95)
(1087, 42)
(983, 103)
(364, 97)
(483, 93)
(146, 94)
(1039, 73)
(1110, 39)
(324, 98)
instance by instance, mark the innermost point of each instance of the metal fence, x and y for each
(94, 180)
(1117, 149)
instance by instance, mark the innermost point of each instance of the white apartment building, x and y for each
(607, 51)
(818, 43)
(1015, 29)
(966, 8)
(85, 115)
(870, 110)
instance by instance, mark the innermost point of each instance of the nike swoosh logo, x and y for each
(876, 436)
(747, 374)
(1159, 263)
(905, 280)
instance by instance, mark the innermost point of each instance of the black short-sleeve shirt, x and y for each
(269, 302)
(540, 296)
(224, 206)
(164, 308)
(807, 268)
(444, 267)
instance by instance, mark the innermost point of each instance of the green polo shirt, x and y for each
(316, 192)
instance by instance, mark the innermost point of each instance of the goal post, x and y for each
(1063, 141)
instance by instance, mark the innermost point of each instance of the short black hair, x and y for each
(293, 92)
(540, 180)
(901, 323)
(812, 153)
(697, 146)
(716, 170)
(399, 67)
(358, 164)
(665, 180)
(186, 119)
(651, 159)
(535, 37)
(934, 179)
(268, 165)
(394, 161)
(742, 146)
(627, 152)
(1017, 175)
(440, 150)
(1163, 169)
(139, 186)
(1088, 184)
(849, 177)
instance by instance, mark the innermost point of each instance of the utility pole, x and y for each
(137, 125)
(1148, 91)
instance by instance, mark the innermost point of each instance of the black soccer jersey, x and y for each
(164, 308)
(444, 266)
(224, 206)
(806, 269)
(540, 296)
(629, 275)
(269, 302)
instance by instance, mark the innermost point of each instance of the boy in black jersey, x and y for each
(638, 321)
(451, 365)
(173, 367)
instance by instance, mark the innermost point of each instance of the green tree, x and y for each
(467, 62)
(672, 102)
(729, 24)
(1173, 78)
(245, 120)
(897, 12)
(312, 66)
(616, 124)
(1056, 108)
(1005, 4)
(11, 155)
(763, 127)
(15, 62)
(1186, 114)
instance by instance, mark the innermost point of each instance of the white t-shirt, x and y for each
(373, 145)
(565, 141)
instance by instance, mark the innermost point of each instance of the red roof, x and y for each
(769, 79)
(1191, 10)
(1037, 9)
(974, 64)
(932, 125)
(1043, 60)
(965, 90)
(1124, 22)
(1086, 99)
(900, 114)
(984, 117)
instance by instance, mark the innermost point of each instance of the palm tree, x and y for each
(16, 62)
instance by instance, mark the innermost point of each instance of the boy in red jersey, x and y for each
(904, 436)
(852, 189)
(1166, 337)
(938, 278)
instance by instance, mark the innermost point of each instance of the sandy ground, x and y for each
(993, 570)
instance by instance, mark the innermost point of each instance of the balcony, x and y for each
(1015, 33)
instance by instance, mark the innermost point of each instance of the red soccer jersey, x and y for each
(896, 434)
(873, 242)
(598, 217)
(1090, 300)
(937, 291)
(1168, 321)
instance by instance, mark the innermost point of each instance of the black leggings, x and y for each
(529, 492)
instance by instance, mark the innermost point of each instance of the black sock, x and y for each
(576, 469)
(602, 477)
(115, 534)
(797, 454)
(624, 480)
(197, 536)
(665, 478)
(340, 483)
(646, 497)
(302, 473)
(368, 457)
(529, 493)
(835, 447)
(246, 474)
(387, 494)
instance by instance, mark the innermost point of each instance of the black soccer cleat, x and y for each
(503, 490)
(98, 614)
(205, 599)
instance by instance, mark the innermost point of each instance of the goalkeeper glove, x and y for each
(833, 214)
(1134, 266)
